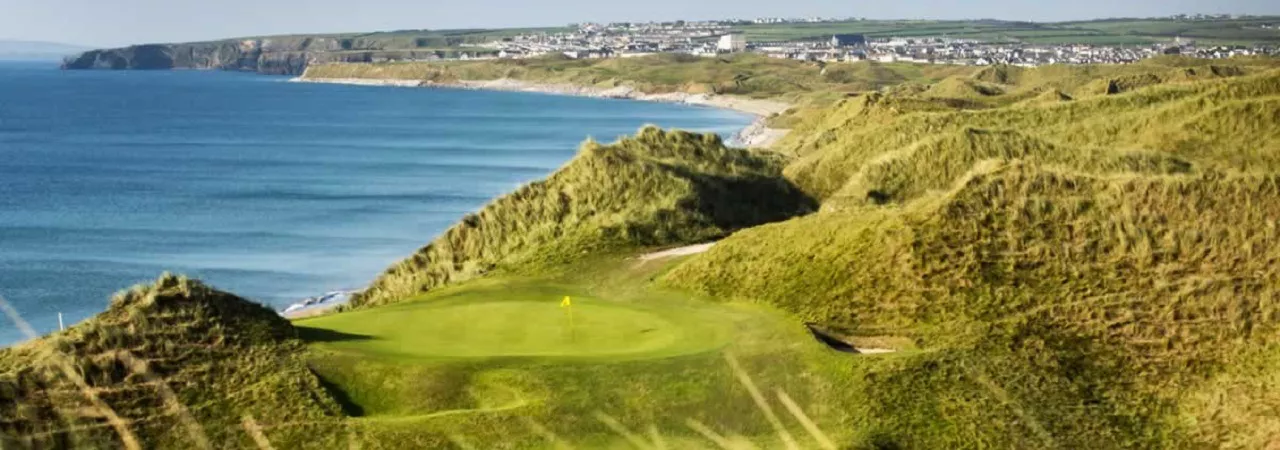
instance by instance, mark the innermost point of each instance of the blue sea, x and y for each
(276, 191)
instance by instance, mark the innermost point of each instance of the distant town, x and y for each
(712, 38)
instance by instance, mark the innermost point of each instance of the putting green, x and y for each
(516, 322)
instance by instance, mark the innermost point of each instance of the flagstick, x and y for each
(567, 305)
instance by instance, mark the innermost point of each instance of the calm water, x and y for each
(275, 191)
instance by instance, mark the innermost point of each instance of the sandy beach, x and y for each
(756, 135)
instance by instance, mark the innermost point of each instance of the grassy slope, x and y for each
(894, 147)
(1097, 272)
(177, 362)
(1104, 311)
(657, 188)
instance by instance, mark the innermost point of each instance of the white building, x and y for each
(733, 42)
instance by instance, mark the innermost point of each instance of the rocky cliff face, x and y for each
(287, 56)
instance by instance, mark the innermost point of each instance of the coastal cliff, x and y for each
(274, 56)
(249, 56)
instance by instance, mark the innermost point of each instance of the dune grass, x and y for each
(657, 188)
(1101, 264)
(1097, 306)
(175, 364)
(894, 147)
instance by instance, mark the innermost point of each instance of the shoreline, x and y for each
(755, 135)
(316, 306)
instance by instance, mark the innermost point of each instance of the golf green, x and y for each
(488, 323)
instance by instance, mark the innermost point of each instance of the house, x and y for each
(885, 58)
(732, 42)
(848, 40)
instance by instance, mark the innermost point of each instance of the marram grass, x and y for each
(657, 188)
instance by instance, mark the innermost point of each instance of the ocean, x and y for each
(272, 190)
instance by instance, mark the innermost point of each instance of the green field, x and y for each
(481, 361)
(523, 319)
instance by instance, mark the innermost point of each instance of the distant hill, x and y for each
(31, 50)
(290, 55)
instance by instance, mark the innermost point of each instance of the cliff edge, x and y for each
(278, 55)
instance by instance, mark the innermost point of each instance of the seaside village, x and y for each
(711, 38)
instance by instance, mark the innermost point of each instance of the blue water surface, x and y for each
(275, 191)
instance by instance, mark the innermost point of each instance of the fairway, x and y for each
(503, 359)
(522, 321)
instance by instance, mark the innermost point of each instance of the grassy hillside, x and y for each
(656, 188)
(175, 364)
(747, 74)
(896, 146)
(1092, 265)
(1099, 311)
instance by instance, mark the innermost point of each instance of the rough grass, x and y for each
(1097, 271)
(175, 364)
(894, 147)
(657, 188)
(1092, 307)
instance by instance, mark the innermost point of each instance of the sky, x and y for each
(106, 23)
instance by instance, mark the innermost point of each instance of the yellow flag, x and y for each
(566, 302)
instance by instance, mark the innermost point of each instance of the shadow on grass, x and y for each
(322, 335)
(831, 341)
(349, 407)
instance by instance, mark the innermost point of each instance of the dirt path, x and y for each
(518, 401)
(681, 251)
